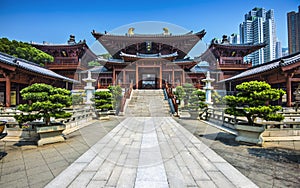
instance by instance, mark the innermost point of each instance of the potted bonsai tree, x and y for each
(196, 103)
(44, 102)
(253, 101)
(116, 92)
(103, 100)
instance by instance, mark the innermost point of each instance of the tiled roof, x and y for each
(281, 62)
(32, 67)
(139, 55)
(96, 69)
(200, 69)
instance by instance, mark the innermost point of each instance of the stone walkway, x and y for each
(150, 152)
(26, 165)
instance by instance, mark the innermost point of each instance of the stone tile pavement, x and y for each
(266, 167)
(31, 166)
(26, 165)
(150, 152)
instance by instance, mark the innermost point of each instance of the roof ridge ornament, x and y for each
(130, 31)
(166, 31)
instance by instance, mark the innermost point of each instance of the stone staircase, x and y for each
(148, 103)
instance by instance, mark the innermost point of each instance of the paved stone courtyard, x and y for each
(151, 151)
(32, 166)
(266, 167)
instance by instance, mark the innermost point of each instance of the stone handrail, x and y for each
(290, 120)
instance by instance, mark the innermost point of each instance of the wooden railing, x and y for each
(172, 97)
(63, 62)
(126, 96)
(234, 65)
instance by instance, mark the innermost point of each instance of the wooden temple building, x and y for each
(148, 61)
(68, 58)
(16, 74)
(281, 73)
(227, 60)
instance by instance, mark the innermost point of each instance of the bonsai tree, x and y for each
(253, 100)
(77, 99)
(217, 98)
(188, 90)
(116, 92)
(197, 100)
(103, 100)
(179, 92)
(44, 101)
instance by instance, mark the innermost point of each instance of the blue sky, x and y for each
(53, 21)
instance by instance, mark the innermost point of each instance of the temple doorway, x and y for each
(149, 81)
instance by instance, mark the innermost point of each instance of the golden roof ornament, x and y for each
(130, 31)
(166, 31)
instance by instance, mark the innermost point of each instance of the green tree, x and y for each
(94, 63)
(103, 100)
(24, 51)
(77, 99)
(197, 100)
(179, 92)
(116, 92)
(217, 99)
(105, 56)
(253, 100)
(188, 90)
(44, 101)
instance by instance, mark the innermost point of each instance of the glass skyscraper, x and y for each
(259, 27)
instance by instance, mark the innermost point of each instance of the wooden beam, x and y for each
(295, 79)
(292, 66)
(7, 67)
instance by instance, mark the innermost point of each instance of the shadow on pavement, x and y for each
(278, 155)
(224, 138)
(2, 154)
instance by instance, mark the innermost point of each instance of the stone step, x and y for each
(148, 103)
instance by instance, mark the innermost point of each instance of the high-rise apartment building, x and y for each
(278, 50)
(293, 22)
(234, 38)
(259, 27)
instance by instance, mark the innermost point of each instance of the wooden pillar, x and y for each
(124, 78)
(136, 76)
(114, 77)
(173, 78)
(289, 91)
(7, 89)
(183, 77)
(160, 76)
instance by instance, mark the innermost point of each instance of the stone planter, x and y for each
(50, 134)
(2, 126)
(15, 133)
(249, 134)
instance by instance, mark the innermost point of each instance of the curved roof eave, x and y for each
(32, 67)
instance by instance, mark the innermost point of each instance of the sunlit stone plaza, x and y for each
(152, 104)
